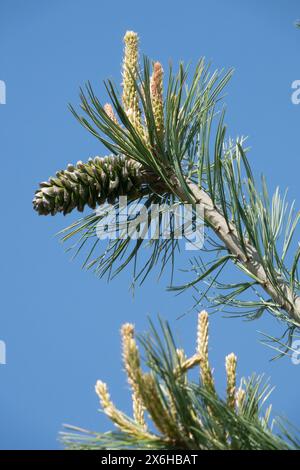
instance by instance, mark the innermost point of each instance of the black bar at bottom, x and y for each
(135, 458)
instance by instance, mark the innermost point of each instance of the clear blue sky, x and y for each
(61, 324)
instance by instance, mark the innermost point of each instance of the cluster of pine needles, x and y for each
(170, 411)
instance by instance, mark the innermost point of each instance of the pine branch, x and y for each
(245, 254)
(183, 414)
(163, 146)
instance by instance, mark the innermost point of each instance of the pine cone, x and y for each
(98, 180)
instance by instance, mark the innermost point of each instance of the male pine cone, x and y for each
(92, 183)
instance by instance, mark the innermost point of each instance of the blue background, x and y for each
(61, 324)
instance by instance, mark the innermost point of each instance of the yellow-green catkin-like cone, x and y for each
(131, 361)
(110, 112)
(202, 351)
(240, 399)
(130, 75)
(161, 416)
(157, 97)
(230, 364)
(111, 411)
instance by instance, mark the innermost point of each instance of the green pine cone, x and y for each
(92, 183)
